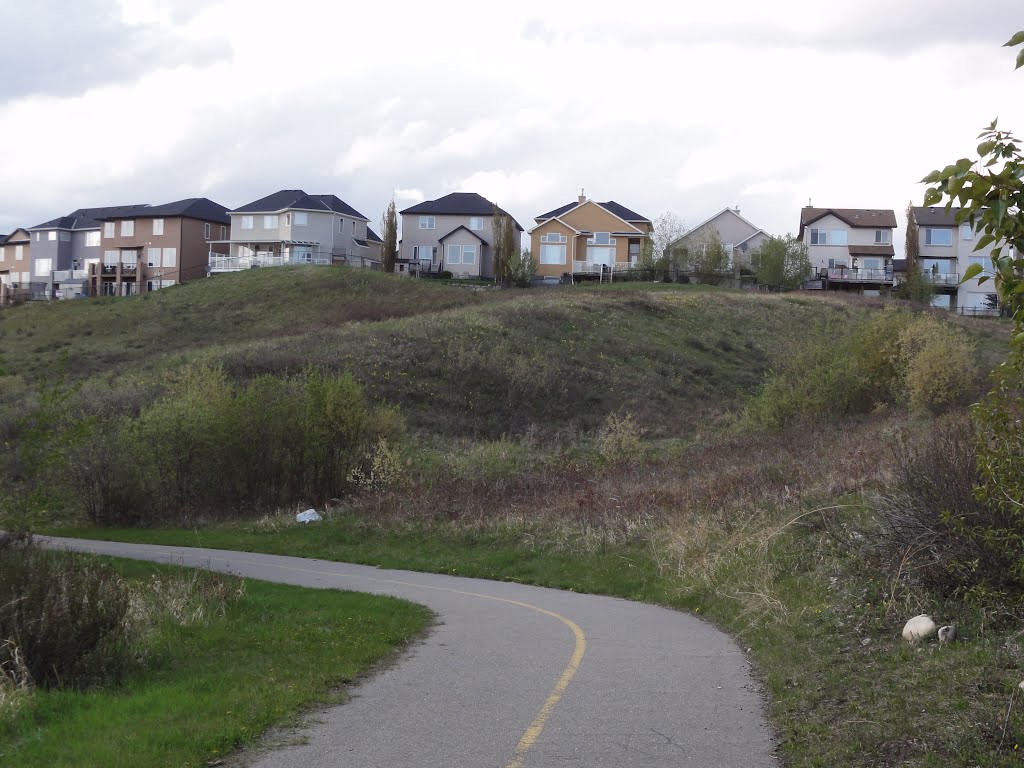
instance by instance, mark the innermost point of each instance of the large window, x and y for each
(837, 237)
(153, 257)
(552, 254)
(819, 237)
(110, 258)
(127, 228)
(600, 255)
(43, 267)
(476, 223)
(158, 226)
(270, 222)
(882, 236)
(170, 257)
(92, 239)
(427, 222)
(453, 254)
(425, 252)
(108, 229)
(247, 222)
(938, 236)
(301, 219)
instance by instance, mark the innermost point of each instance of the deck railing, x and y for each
(221, 263)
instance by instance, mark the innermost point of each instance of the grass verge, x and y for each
(212, 686)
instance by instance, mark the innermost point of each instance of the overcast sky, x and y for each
(663, 106)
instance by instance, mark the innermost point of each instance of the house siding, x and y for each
(589, 217)
(413, 236)
(820, 254)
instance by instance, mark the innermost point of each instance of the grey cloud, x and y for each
(55, 47)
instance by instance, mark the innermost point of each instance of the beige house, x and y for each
(738, 236)
(850, 248)
(587, 238)
(15, 266)
(945, 251)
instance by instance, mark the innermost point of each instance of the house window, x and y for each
(51, 235)
(206, 230)
(38, 236)
(341, 226)
(223, 232)
(601, 238)
(469, 254)
(872, 263)
(966, 233)
(3, 253)
(837, 237)
(127, 228)
(247, 222)
(601, 256)
(108, 229)
(553, 237)
(110, 258)
(938, 236)
(552, 254)
(270, 222)
(982, 261)
(454, 254)
(301, 218)
(92, 239)
(158, 226)
(425, 252)
(476, 223)
(837, 264)
(65, 237)
(426, 222)
(170, 257)
(129, 257)
(43, 267)
(882, 236)
(819, 237)
(19, 252)
(153, 257)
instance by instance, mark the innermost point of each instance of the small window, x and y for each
(938, 236)
(247, 222)
(43, 267)
(601, 238)
(966, 233)
(270, 222)
(158, 226)
(819, 237)
(882, 236)
(223, 232)
(108, 229)
(206, 230)
(153, 257)
(51, 235)
(553, 237)
(110, 258)
(65, 237)
(425, 252)
(38, 236)
(454, 254)
(127, 228)
(427, 222)
(18, 252)
(837, 237)
(301, 218)
(92, 239)
(170, 257)
(476, 223)
(469, 254)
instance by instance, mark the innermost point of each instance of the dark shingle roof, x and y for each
(458, 204)
(616, 209)
(89, 218)
(372, 236)
(871, 250)
(297, 199)
(936, 217)
(867, 218)
(464, 228)
(200, 208)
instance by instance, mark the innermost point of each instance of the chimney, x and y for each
(583, 197)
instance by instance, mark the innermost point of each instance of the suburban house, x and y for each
(850, 248)
(945, 251)
(738, 236)
(587, 238)
(146, 248)
(292, 227)
(454, 233)
(15, 259)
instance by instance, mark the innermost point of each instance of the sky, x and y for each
(677, 107)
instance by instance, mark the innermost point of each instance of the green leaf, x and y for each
(983, 241)
(963, 165)
(972, 271)
(932, 196)
(986, 147)
(983, 279)
(932, 178)
(1017, 39)
(1020, 60)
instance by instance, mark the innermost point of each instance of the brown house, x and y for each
(15, 266)
(587, 238)
(158, 246)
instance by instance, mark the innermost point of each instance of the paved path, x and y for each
(519, 677)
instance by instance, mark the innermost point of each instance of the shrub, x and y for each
(620, 439)
(936, 364)
(62, 616)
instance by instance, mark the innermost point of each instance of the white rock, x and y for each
(309, 516)
(918, 628)
(947, 634)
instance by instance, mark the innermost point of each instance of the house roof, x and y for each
(191, 208)
(25, 237)
(458, 204)
(373, 237)
(936, 217)
(287, 199)
(464, 228)
(871, 250)
(899, 265)
(616, 209)
(89, 218)
(866, 218)
(735, 212)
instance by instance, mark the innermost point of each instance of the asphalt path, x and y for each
(514, 676)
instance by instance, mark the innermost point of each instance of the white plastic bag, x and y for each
(309, 516)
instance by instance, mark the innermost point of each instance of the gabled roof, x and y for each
(611, 206)
(465, 228)
(458, 204)
(373, 237)
(866, 218)
(565, 224)
(757, 230)
(296, 199)
(191, 208)
(13, 238)
(936, 217)
(89, 218)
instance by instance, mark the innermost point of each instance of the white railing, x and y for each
(221, 263)
(588, 268)
(942, 278)
(860, 275)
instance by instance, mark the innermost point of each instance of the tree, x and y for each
(912, 245)
(915, 286)
(782, 262)
(705, 258)
(505, 246)
(522, 268)
(389, 234)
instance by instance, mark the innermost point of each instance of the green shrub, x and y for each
(620, 439)
(62, 616)
(936, 364)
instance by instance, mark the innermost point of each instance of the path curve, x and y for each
(515, 676)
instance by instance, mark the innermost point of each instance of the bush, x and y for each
(936, 364)
(62, 616)
(620, 439)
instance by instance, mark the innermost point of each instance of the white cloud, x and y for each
(507, 188)
(413, 195)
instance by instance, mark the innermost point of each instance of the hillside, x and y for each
(457, 362)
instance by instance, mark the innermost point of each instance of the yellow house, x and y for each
(587, 238)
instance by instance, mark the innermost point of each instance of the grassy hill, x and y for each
(456, 361)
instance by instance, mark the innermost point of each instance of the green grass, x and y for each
(214, 686)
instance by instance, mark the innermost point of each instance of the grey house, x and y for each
(738, 236)
(454, 233)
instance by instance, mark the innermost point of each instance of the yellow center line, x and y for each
(533, 732)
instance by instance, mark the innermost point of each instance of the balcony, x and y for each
(221, 263)
(942, 278)
(844, 274)
(67, 275)
(589, 268)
